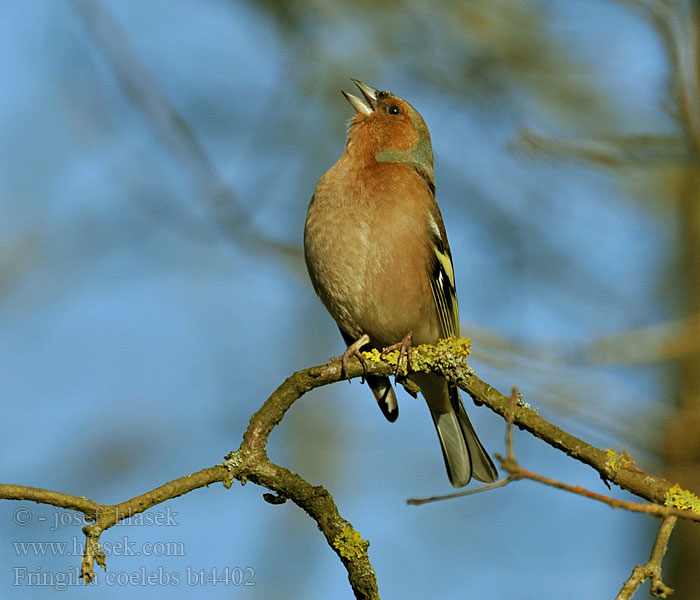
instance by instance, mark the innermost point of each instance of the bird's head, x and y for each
(386, 128)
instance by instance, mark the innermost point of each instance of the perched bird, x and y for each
(378, 257)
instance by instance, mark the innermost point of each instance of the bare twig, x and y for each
(518, 472)
(652, 569)
(461, 494)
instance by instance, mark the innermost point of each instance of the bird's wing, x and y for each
(442, 277)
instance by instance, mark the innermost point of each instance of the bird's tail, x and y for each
(384, 394)
(463, 453)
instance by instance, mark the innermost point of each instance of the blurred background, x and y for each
(156, 163)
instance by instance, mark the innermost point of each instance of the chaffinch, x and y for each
(378, 257)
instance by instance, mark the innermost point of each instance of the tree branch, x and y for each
(250, 462)
(652, 569)
(619, 469)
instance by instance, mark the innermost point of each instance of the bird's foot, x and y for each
(354, 351)
(405, 348)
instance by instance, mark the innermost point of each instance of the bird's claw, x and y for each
(405, 348)
(353, 350)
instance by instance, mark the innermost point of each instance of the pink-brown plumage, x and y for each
(364, 277)
(378, 257)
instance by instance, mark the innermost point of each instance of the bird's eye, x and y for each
(394, 110)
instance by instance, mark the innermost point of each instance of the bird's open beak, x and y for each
(359, 104)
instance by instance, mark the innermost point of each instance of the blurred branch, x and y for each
(611, 151)
(671, 339)
(15, 254)
(140, 85)
(676, 25)
(232, 219)
(652, 569)
(562, 371)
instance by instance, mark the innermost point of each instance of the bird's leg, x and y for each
(405, 348)
(354, 350)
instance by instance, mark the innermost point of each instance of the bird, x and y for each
(378, 257)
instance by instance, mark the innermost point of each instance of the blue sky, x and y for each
(136, 340)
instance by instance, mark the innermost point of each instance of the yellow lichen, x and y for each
(373, 355)
(445, 354)
(611, 459)
(617, 461)
(349, 543)
(677, 497)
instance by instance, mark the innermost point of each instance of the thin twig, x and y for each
(483, 488)
(652, 569)
(515, 470)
